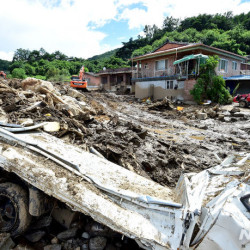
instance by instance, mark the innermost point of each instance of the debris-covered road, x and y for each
(158, 140)
(154, 140)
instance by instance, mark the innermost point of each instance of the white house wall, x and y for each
(158, 90)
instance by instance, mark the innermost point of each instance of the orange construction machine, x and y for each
(79, 81)
(2, 74)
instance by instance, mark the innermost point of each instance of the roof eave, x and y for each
(188, 48)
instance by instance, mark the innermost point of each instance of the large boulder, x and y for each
(35, 85)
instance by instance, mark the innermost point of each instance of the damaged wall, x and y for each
(159, 89)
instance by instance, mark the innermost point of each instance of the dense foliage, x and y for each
(228, 32)
(4, 65)
(209, 86)
(223, 31)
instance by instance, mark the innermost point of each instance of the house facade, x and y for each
(94, 80)
(172, 69)
(117, 79)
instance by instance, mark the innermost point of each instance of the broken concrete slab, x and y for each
(51, 126)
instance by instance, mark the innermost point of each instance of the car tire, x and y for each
(14, 209)
(242, 104)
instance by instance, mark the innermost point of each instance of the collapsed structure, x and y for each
(48, 171)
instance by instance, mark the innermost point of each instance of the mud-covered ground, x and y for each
(158, 140)
(154, 140)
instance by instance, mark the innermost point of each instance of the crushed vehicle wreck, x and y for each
(207, 210)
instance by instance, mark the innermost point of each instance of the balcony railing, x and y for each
(178, 72)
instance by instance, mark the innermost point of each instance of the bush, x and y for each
(218, 91)
(29, 70)
(19, 73)
(40, 77)
(209, 85)
(56, 75)
(52, 72)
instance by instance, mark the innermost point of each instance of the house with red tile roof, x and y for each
(172, 69)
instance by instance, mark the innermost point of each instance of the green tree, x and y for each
(29, 69)
(52, 72)
(18, 73)
(21, 55)
(209, 85)
(4, 65)
(170, 24)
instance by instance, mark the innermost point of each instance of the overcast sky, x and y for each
(84, 28)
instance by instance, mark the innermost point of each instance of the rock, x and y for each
(110, 247)
(51, 127)
(54, 241)
(234, 110)
(99, 229)
(143, 134)
(165, 104)
(68, 234)
(238, 114)
(41, 223)
(202, 126)
(35, 237)
(85, 235)
(234, 119)
(97, 243)
(216, 108)
(26, 122)
(221, 117)
(201, 116)
(6, 241)
(211, 113)
(84, 247)
(75, 94)
(34, 84)
(53, 247)
(227, 119)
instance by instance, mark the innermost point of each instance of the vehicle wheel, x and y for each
(14, 209)
(242, 104)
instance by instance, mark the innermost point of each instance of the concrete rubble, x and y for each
(154, 140)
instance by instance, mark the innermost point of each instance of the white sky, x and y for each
(74, 27)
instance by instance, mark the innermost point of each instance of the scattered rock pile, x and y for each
(47, 234)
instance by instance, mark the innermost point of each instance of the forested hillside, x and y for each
(224, 31)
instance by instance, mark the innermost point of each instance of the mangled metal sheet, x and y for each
(206, 211)
(216, 196)
(125, 201)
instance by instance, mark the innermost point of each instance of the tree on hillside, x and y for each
(4, 65)
(150, 31)
(170, 24)
(21, 55)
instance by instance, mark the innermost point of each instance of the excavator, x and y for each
(79, 81)
(2, 74)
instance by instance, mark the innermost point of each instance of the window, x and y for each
(169, 84)
(234, 65)
(161, 65)
(146, 66)
(223, 65)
